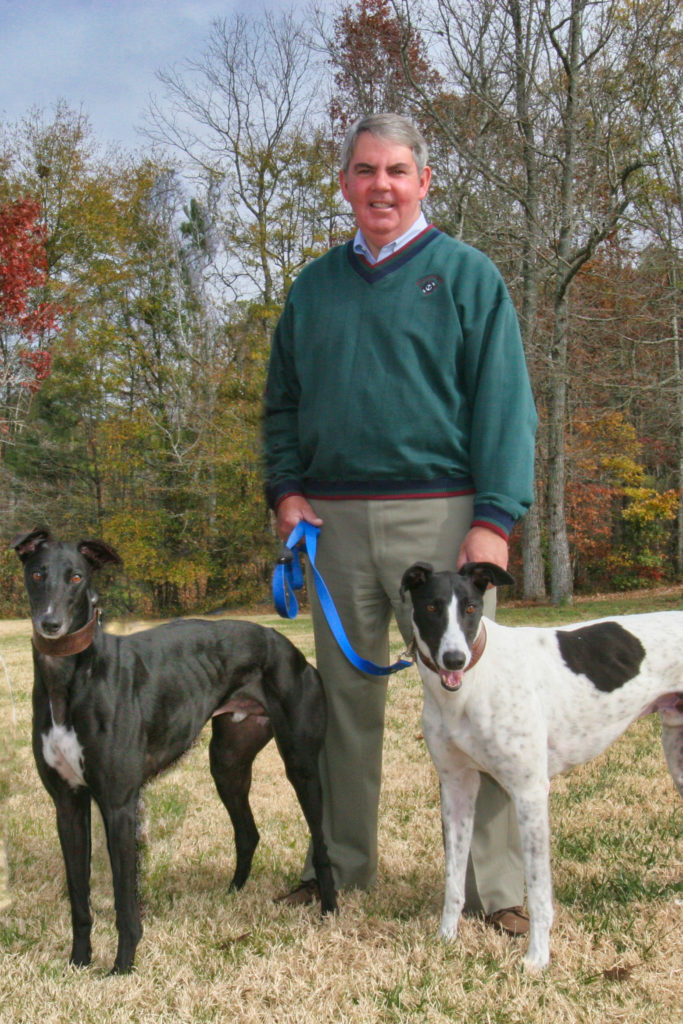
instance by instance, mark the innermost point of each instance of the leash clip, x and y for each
(409, 653)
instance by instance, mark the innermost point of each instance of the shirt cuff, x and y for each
(491, 517)
(276, 493)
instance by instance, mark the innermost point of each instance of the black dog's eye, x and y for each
(470, 610)
(36, 575)
(431, 608)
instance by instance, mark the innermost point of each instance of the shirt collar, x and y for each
(360, 245)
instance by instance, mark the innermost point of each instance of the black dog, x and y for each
(110, 712)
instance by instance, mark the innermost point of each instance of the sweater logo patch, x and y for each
(427, 285)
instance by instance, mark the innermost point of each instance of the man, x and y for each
(399, 419)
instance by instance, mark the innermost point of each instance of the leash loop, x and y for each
(288, 577)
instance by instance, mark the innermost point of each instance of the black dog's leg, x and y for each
(73, 827)
(120, 825)
(232, 750)
(299, 728)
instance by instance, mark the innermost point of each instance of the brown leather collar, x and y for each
(477, 651)
(72, 643)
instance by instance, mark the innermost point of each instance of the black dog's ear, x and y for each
(483, 573)
(26, 544)
(414, 576)
(97, 553)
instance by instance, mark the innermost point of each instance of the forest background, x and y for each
(138, 293)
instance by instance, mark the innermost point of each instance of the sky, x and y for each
(99, 55)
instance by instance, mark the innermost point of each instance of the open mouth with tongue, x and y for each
(451, 680)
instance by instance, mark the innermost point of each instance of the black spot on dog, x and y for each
(605, 652)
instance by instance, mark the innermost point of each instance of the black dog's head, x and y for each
(447, 609)
(57, 578)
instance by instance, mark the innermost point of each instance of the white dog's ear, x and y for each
(484, 573)
(415, 576)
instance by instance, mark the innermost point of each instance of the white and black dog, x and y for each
(526, 703)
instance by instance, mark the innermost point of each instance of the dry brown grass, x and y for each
(207, 955)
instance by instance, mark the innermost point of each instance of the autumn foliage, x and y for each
(618, 522)
(25, 318)
(369, 52)
(23, 269)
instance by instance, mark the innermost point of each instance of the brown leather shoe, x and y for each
(511, 920)
(304, 893)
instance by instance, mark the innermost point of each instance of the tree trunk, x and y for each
(561, 587)
(678, 369)
(532, 555)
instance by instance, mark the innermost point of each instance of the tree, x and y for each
(27, 320)
(368, 48)
(617, 520)
(244, 118)
(545, 109)
(149, 417)
(660, 214)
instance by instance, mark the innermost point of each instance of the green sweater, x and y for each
(403, 379)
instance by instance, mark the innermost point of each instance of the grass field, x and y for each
(210, 956)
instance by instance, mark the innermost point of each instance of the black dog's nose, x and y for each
(49, 626)
(453, 660)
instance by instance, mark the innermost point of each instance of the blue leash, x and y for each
(288, 577)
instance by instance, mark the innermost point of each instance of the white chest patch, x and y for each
(63, 752)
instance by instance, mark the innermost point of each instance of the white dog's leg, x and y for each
(534, 830)
(458, 796)
(672, 741)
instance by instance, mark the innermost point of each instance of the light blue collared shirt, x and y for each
(360, 245)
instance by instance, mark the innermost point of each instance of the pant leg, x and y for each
(351, 759)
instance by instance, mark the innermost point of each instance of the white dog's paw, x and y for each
(449, 930)
(535, 963)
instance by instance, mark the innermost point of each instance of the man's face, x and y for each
(384, 189)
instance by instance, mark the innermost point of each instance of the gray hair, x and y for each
(391, 127)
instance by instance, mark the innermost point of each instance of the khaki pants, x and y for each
(363, 551)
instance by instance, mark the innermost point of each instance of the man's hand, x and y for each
(483, 545)
(291, 511)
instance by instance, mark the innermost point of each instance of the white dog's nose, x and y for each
(454, 660)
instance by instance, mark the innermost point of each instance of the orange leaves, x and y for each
(617, 521)
(23, 268)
